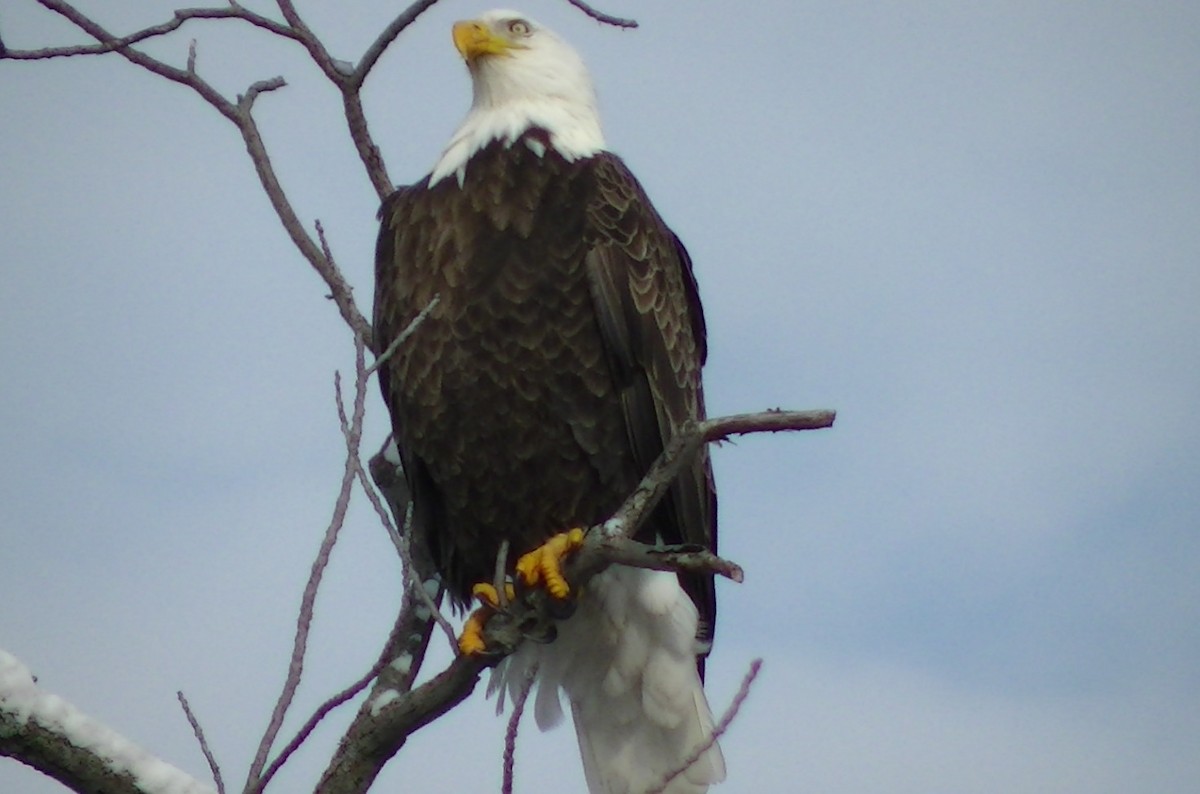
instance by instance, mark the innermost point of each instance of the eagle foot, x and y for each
(543, 565)
(487, 595)
(470, 642)
(540, 567)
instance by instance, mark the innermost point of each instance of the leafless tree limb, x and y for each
(311, 723)
(183, 15)
(403, 539)
(602, 17)
(352, 430)
(386, 37)
(213, 766)
(719, 729)
(239, 113)
(619, 550)
(514, 724)
(388, 718)
(683, 446)
(403, 336)
(381, 730)
(46, 732)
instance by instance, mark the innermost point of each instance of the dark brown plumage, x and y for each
(565, 347)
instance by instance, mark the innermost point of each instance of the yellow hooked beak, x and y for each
(474, 40)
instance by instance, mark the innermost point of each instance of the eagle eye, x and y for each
(519, 27)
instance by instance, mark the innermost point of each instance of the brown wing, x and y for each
(652, 324)
(399, 297)
(487, 241)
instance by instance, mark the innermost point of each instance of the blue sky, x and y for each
(970, 228)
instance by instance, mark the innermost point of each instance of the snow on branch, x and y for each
(53, 736)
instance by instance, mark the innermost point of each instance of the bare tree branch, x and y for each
(403, 541)
(181, 16)
(386, 37)
(352, 430)
(311, 723)
(719, 729)
(384, 724)
(239, 113)
(388, 719)
(602, 17)
(213, 766)
(403, 336)
(683, 446)
(339, 288)
(619, 550)
(514, 724)
(51, 735)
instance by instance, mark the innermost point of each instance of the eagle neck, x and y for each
(572, 129)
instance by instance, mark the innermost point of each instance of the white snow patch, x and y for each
(614, 527)
(402, 663)
(382, 700)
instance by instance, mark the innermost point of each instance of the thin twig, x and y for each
(403, 336)
(386, 37)
(204, 748)
(246, 101)
(401, 540)
(679, 451)
(602, 17)
(310, 725)
(510, 734)
(719, 730)
(180, 17)
(350, 83)
(239, 114)
(352, 430)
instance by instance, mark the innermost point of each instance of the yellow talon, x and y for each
(544, 564)
(486, 593)
(470, 642)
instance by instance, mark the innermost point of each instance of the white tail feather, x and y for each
(627, 663)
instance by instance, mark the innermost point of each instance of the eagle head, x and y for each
(524, 76)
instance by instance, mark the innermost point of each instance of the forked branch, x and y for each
(383, 725)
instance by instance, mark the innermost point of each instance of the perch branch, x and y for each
(384, 724)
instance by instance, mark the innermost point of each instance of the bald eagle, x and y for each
(564, 351)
